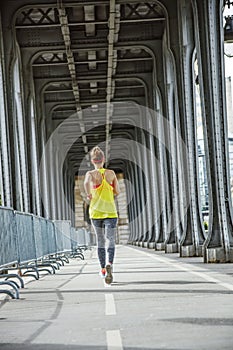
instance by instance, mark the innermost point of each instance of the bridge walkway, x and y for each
(157, 301)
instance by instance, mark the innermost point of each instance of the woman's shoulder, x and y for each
(90, 173)
(110, 174)
(109, 171)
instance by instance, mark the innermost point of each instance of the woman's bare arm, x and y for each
(87, 184)
(116, 188)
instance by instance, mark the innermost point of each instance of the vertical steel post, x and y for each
(209, 23)
(193, 237)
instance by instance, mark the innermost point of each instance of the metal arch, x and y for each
(146, 48)
(63, 51)
(55, 5)
(83, 3)
(129, 136)
(43, 89)
(69, 104)
(115, 133)
(67, 5)
(125, 78)
(100, 46)
(120, 133)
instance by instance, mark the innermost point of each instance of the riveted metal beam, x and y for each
(71, 65)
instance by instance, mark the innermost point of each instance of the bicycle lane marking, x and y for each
(114, 341)
(113, 337)
(110, 308)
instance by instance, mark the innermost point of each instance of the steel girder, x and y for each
(193, 238)
(219, 244)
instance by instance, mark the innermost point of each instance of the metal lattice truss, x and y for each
(89, 53)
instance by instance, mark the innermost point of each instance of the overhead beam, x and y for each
(114, 27)
(99, 88)
(130, 59)
(89, 14)
(94, 23)
(70, 58)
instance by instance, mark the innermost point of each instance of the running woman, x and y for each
(101, 185)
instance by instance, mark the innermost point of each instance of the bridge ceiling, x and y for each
(86, 55)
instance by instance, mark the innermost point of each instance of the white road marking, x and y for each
(114, 341)
(110, 308)
(201, 273)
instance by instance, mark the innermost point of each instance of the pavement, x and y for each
(157, 301)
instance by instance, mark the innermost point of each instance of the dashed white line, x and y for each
(114, 341)
(110, 308)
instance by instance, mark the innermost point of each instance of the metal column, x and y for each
(193, 237)
(208, 19)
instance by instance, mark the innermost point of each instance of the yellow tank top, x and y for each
(102, 204)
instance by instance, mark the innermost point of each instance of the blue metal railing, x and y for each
(32, 244)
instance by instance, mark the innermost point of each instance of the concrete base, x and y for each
(218, 255)
(171, 248)
(151, 245)
(140, 244)
(190, 251)
(148, 245)
(159, 246)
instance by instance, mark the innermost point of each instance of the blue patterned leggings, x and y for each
(105, 228)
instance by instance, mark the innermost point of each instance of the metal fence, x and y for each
(8, 244)
(63, 230)
(82, 236)
(27, 238)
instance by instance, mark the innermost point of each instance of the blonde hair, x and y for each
(97, 155)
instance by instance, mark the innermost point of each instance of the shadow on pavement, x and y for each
(24, 346)
(202, 321)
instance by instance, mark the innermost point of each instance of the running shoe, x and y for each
(108, 277)
(102, 273)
